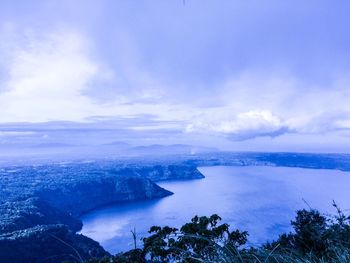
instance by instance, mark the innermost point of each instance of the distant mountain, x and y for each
(157, 149)
(117, 144)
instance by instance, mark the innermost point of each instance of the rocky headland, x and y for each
(40, 205)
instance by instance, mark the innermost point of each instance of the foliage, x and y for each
(201, 239)
(320, 235)
(316, 238)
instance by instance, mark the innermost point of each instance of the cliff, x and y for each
(170, 172)
(40, 205)
(85, 195)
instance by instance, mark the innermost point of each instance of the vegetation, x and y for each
(316, 238)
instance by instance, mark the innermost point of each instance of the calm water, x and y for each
(259, 199)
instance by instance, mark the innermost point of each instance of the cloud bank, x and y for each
(233, 72)
(55, 77)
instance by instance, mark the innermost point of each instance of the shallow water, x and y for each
(259, 199)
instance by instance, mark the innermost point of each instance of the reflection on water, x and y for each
(259, 199)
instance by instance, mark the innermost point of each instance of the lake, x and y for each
(259, 199)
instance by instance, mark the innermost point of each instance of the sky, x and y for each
(235, 75)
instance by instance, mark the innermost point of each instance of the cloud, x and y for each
(59, 74)
(272, 103)
(243, 126)
(47, 75)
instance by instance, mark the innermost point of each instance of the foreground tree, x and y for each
(201, 239)
(316, 238)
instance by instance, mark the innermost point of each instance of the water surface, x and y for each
(259, 199)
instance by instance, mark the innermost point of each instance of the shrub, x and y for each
(316, 238)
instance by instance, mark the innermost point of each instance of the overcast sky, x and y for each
(239, 75)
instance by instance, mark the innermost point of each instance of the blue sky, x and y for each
(239, 75)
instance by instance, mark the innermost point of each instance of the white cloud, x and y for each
(46, 79)
(57, 76)
(245, 125)
(274, 103)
